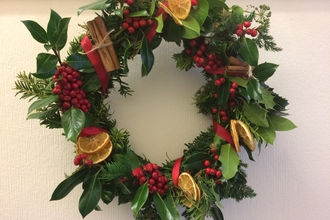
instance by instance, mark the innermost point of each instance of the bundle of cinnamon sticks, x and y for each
(103, 43)
(237, 67)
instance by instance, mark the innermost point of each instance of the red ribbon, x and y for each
(95, 59)
(89, 131)
(152, 30)
(176, 171)
(223, 133)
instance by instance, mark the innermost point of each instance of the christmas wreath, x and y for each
(221, 41)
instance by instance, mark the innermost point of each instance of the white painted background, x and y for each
(291, 178)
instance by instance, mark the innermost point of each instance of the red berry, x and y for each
(66, 105)
(224, 118)
(89, 162)
(136, 24)
(154, 175)
(211, 56)
(193, 43)
(129, 20)
(188, 51)
(131, 30)
(207, 163)
(248, 31)
(142, 23)
(125, 25)
(240, 26)
(165, 187)
(130, 2)
(208, 170)
(216, 157)
(215, 95)
(217, 82)
(218, 62)
(201, 61)
(150, 22)
(212, 172)
(126, 12)
(142, 180)
(76, 161)
(232, 91)
(223, 80)
(207, 68)
(218, 173)
(149, 168)
(202, 47)
(247, 24)
(232, 103)
(212, 150)
(155, 166)
(239, 32)
(214, 110)
(151, 181)
(159, 185)
(234, 85)
(199, 52)
(223, 113)
(254, 33)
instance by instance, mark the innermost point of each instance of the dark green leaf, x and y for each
(169, 28)
(73, 121)
(268, 134)
(66, 186)
(45, 75)
(200, 11)
(166, 209)
(195, 161)
(281, 124)
(61, 34)
(109, 192)
(46, 62)
(265, 70)
(267, 98)
(255, 114)
(52, 26)
(126, 69)
(229, 161)
(249, 51)
(216, 213)
(79, 61)
(97, 5)
(142, 13)
(42, 102)
(37, 32)
(223, 93)
(44, 114)
(140, 198)
(91, 82)
(123, 188)
(91, 195)
(147, 56)
(253, 89)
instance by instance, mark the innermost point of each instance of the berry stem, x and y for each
(57, 54)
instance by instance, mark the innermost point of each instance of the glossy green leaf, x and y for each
(268, 98)
(216, 213)
(42, 102)
(166, 209)
(160, 23)
(73, 121)
(195, 161)
(44, 114)
(46, 62)
(97, 5)
(253, 89)
(79, 61)
(169, 28)
(140, 198)
(268, 134)
(52, 26)
(249, 51)
(265, 70)
(91, 195)
(147, 56)
(191, 28)
(237, 10)
(142, 13)
(229, 161)
(152, 7)
(37, 32)
(61, 34)
(255, 114)
(123, 187)
(280, 123)
(67, 185)
(91, 82)
(217, 4)
(200, 11)
(223, 93)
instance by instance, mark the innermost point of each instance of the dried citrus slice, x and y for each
(93, 143)
(168, 11)
(190, 188)
(244, 132)
(180, 8)
(234, 135)
(98, 156)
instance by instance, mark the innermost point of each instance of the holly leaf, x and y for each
(37, 32)
(91, 195)
(66, 186)
(223, 93)
(255, 114)
(46, 62)
(147, 57)
(249, 51)
(229, 161)
(191, 28)
(253, 89)
(73, 121)
(195, 161)
(79, 61)
(265, 70)
(166, 208)
(267, 98)
(280, 123)
(42, 103)
(61, 34)
(140, 198)
(268, 134)
(52, 26)
(97, 5)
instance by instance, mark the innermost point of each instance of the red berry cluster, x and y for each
(249, 31)
(201, 56)
(68, 86)
(132, 24)
(80, 160)
(212, 168)
(150, 174)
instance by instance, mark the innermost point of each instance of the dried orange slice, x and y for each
(180, 8)
(190, 189)
(234, 135)
(93, 143)
(168, 11)
(98, 156)
(244, 132)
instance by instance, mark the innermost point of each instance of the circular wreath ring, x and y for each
(221, 41)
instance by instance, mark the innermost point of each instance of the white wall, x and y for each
(291, 178)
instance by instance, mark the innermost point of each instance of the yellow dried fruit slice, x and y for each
(93, 143)
(98, 156)
(244, 132)
(168, 11)
(190, 188)
(180, 8)
(234, 135)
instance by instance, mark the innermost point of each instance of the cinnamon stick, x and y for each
(107, 40)
(236, 62)
(103, 51)
(237, 70)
